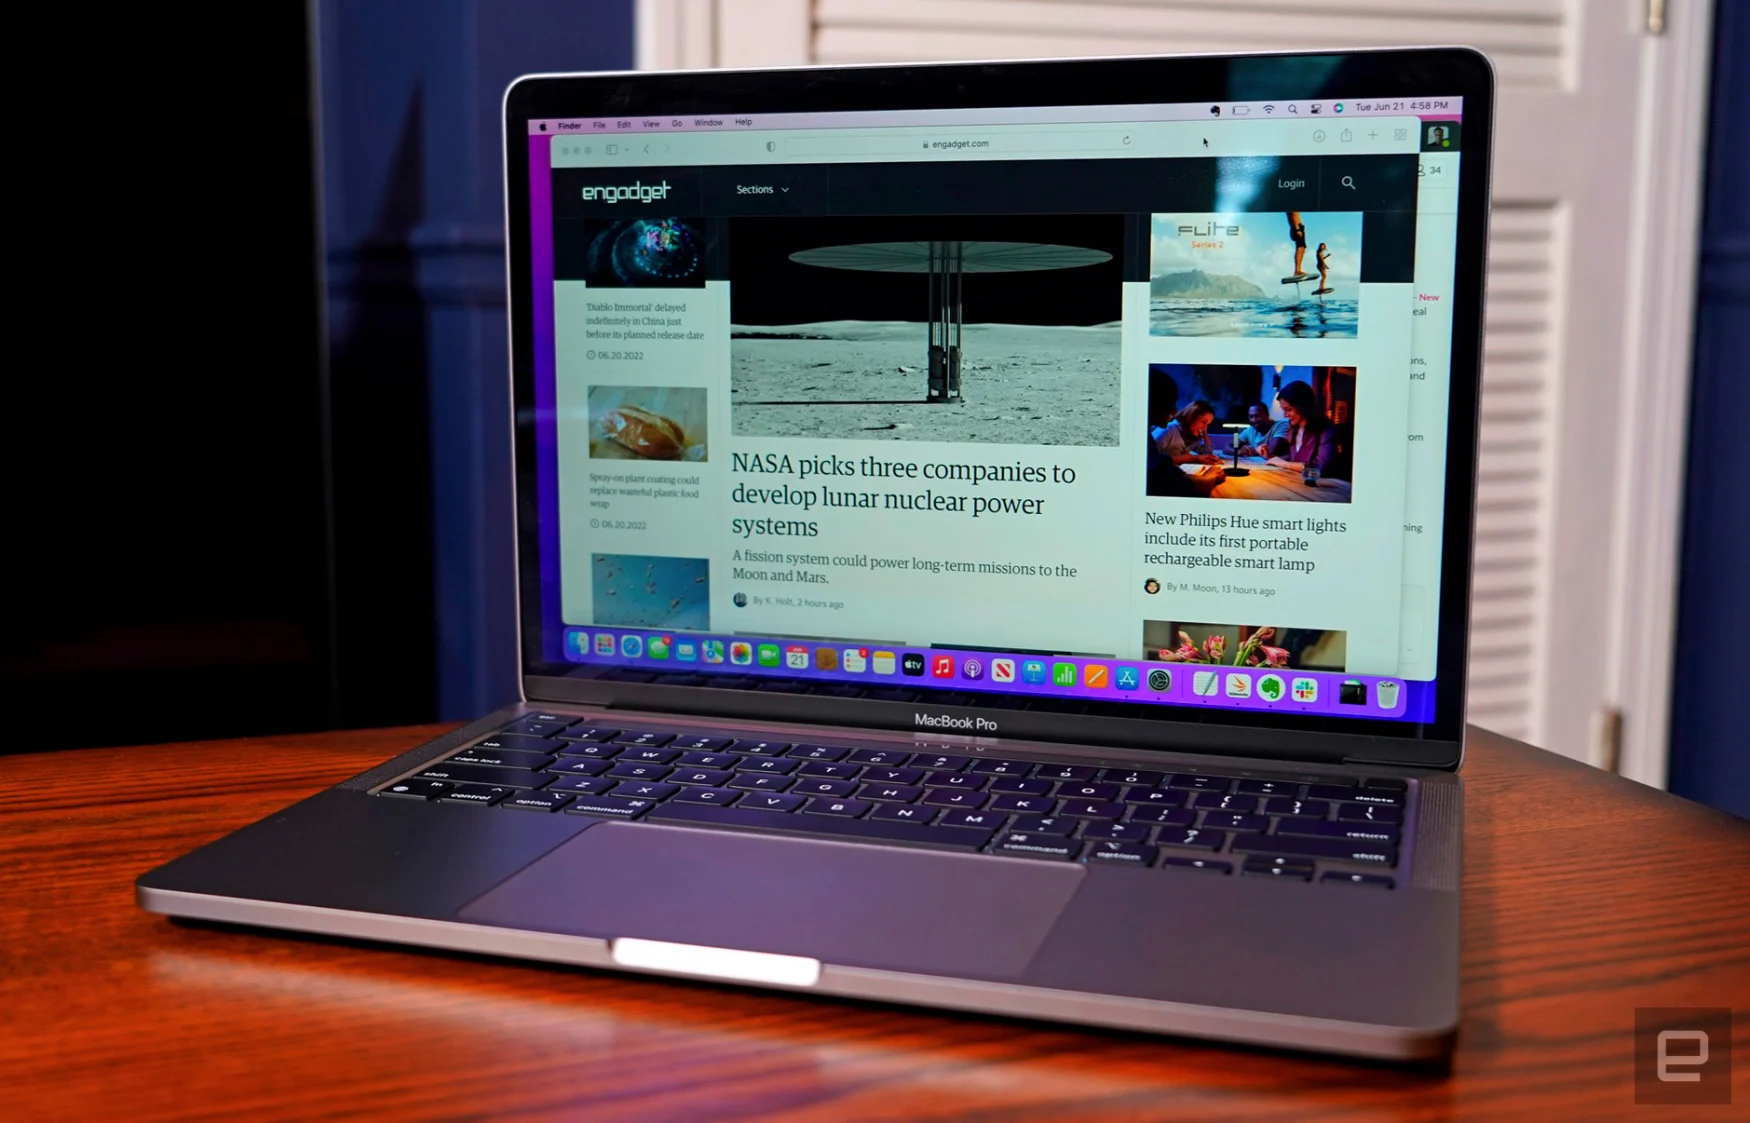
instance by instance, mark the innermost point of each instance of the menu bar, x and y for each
(1427, 108)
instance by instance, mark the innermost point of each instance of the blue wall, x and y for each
(413, 244)
(1710, 747)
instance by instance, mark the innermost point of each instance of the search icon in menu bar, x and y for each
(1349, 182)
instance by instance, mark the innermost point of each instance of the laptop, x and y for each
(991, 536)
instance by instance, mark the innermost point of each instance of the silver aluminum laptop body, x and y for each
(1329, 951)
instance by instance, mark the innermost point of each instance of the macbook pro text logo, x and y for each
(948, 721)
(635, 192)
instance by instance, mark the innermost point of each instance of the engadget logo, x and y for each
(949, 721)
(634, 192)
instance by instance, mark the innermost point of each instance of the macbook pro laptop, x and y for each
(991, 536)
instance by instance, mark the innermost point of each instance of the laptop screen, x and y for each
(1133, 404)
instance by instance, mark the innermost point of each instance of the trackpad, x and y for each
(885, 907)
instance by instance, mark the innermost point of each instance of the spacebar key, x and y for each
(849, 830)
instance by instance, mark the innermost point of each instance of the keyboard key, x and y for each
(644, 789)
(1268, 787)
(709, 760)
(1319, 828)
(1023, 804)
(1091, 809)
(1168, 816)
(837, 789)
(1014, 785)
(1340, 849)
(1119, 854)
(1216, 801)
(627, 770)
(1377, 797)
(609, 807)
(1063, 772)
(484, 794)
(1155, 797)
(1330, 791)
(965, 780)
(902, 813)
(1388, 784)
(417, 789)
(1367, 813)
(769, 765)
(708, 777)
(648, 756)
(888, 758)
(534, 727)
(1046, 824)
(1192, 781)
(889, 793)
(548, 800)
(1027, 844)
(591, 749)
(1288, 871)
(579, 766)
(892, 775)
(1001, 767)
(1207, 865)
(1093, 789)
(688, 743)
(1133, 776)
(544, 746)
(1116, 832)
(954, 797)
(848, 808)
(767, 801)
(1229, 821)
(587, 785)
(909, 833)
(1376, 880)
(588, 733)
(828, 770)
(990, 820)
(644, 738)
(760, 782)
(720, 796)
(481, 774)
(552, 718)
(761, 748)
(1300, 808)
(940, 763)
(819, 752)
(1192, 838)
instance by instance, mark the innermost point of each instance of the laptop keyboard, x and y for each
(1338, 829)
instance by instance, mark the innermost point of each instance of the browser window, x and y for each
(1134, 403)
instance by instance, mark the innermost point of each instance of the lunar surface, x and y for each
(864, 380)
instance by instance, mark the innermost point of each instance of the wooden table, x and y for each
(1587, 896)
(1271, 481)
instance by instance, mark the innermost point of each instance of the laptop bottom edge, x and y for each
(1401, 1044)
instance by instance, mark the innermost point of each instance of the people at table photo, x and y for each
(1260, 433)
(1185, 439)
(1309, 437)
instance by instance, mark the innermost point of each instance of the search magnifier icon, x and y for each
(1349, 182)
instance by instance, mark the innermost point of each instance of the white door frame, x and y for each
(1647, 481)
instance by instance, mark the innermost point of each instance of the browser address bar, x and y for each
(956, 144)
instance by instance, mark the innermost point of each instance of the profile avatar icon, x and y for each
(1439, 136)
(1151, 586)
(740, 600)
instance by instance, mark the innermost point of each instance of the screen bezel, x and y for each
(1430, 72)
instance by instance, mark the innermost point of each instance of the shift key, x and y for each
(1334, 849)
(481, 774)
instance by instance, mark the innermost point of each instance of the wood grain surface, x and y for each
(1586, 896)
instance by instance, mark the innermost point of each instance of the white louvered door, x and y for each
(1555, 504)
